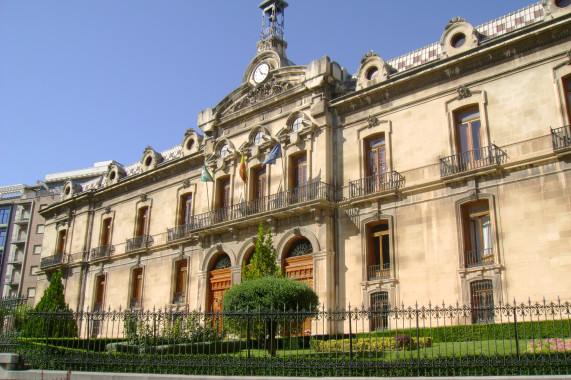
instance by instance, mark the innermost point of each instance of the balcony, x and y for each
(561, 138)
(139, 242)
(51, 261)
(379, 183)
(377, 272)
(179, 297)
(101, 252)
(16, 259)
(281, 201)
(478, 258)
(472, 160)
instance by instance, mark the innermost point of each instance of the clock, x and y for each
(261, 72)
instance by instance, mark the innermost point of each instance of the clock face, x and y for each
(261, 72)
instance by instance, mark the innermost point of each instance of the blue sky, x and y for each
(83, 81)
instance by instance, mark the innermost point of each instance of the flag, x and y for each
(275, 153)
(206, 177)
(243, 172)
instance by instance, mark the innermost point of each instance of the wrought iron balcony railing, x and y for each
(101, 252)
(478, 257)
(50, 261)
(274, 202)
(179, 297)
(561, 137)
(376, 183)
(472, 160)
(376, 272)
(138, 242)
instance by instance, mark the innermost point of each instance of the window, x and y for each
(224, 151)
(185, 212)
(4, 215)
(136, 288)
(224, 192)
(260, 182)
(2, 237)
(180, 280)
(37, 249)
(99, 292)
(477, 231)
(468, 133)
(60, 247)
(31, 292)
(105, 232)
(378, 251)
(259, 138)
(299, 171)
(142, 221)
(379, 311)
(376, 156)
(567, 89)
(482, 300)
(40, 229)
(297, 124)
(33, 270)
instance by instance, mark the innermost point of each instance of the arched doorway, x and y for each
(220, 279)
(298, 265)
(298, 262)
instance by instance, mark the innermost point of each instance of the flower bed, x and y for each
(552, 345)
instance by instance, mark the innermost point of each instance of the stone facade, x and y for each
(438, 176)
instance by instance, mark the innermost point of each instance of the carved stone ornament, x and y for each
(262, 92)
(188, 132)
(147, 149)
(368, 55)
(372, 121)
(144, 197)
(186, 183)
(454, 21)
(463, 92)
(107, 210)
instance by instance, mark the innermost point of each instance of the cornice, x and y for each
(488, 53)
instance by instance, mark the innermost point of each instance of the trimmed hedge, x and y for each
(489, 331)
(373, 344)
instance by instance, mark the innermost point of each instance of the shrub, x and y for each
(403, 341)
(51, 317)
(268, 296)
(371, 344)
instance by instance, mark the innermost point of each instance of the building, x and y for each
(21, 234)
(22, 227)
(441, 175)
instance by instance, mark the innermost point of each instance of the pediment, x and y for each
(252, 95)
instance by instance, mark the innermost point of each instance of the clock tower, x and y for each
(272, 36)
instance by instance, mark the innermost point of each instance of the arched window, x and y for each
(258, 139)
(224, 151)
(297, 124)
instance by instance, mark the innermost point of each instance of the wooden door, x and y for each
(300, 268)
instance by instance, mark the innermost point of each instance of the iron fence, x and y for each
(472, 160)
(521, 339)
(478, 257)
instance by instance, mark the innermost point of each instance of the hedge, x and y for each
(373, 344)
(489, 331)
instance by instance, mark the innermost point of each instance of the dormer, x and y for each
(459, 36)
(191, 142)
(70, 188)
(373, 70)
(150, 159)
(115, 172)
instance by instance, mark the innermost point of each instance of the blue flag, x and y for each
(275, 153)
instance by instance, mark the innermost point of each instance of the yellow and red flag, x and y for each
(243, 171)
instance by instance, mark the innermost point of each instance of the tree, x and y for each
(267, 298)
(51, 317)
(264, 259)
